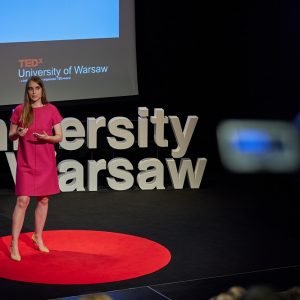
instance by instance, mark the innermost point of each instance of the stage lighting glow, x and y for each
(252, 141)
(258, 145)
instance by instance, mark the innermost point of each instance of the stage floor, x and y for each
(229, 232)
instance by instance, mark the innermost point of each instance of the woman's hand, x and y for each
(42, 136)
(22, 131)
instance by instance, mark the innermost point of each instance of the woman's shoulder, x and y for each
(51, 106)
(16, 113)
(54, 111)
(18, 108)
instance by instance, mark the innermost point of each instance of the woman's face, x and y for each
(34, 91)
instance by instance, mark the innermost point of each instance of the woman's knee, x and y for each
(43, 200)
(23, 201)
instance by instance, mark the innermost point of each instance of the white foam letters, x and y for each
(92, 128)
(93, 168)
(12, 162)
(151, 170)
(118, 167)
(143, 127)
(3, 136)
(72, 128)
(178, 178)
(115, 127)
(71, 176)
(159, 120)
(183, 138)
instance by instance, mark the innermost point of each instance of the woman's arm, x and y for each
(56, 138)
(15, 132)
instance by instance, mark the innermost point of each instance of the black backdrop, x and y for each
(216, 60)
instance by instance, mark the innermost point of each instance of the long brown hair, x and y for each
(27, 112)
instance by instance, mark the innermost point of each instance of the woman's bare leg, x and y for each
(17, 224)
(41, 212)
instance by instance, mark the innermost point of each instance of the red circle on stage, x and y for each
(82, 257)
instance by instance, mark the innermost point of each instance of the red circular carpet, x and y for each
(82, 257)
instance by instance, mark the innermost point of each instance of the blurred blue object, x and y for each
(253, 141)
(248, 146)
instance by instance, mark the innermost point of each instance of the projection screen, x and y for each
(82, 49)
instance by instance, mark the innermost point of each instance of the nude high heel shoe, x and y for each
(14, 256)
(40, 247)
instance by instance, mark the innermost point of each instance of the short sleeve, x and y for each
(16, 114)
(56, 116)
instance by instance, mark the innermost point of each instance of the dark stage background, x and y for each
(220, 61)
(216, 60)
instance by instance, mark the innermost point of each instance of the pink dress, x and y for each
(36, 164)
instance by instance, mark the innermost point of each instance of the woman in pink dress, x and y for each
(36, 123)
